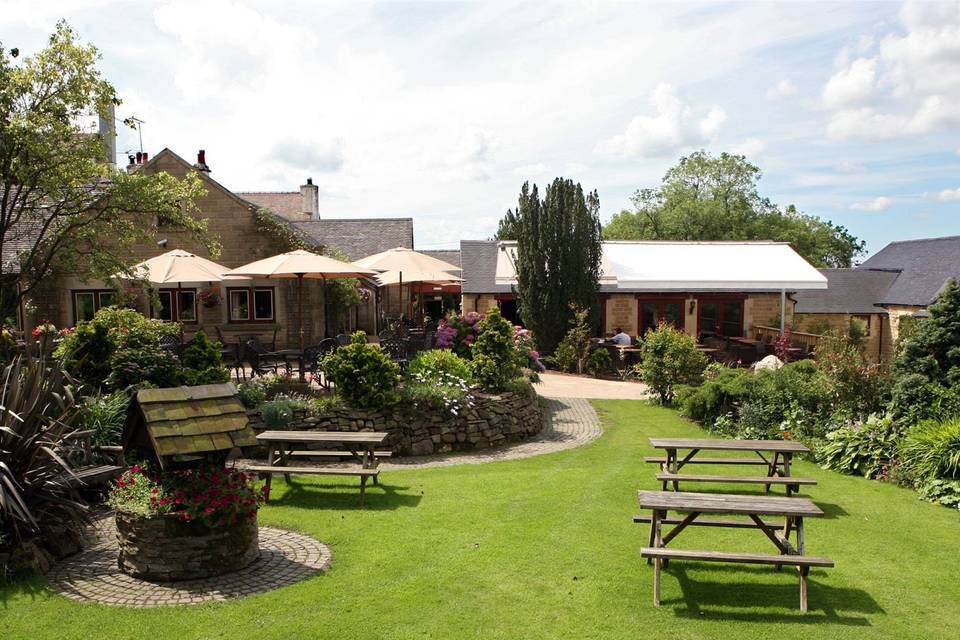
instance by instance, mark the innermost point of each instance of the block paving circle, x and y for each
(93, 576)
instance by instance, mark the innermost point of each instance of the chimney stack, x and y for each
(310, 197)
(202, 161)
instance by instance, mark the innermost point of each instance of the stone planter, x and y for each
(165, 548)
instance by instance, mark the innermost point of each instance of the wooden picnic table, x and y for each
(756, 508)
(778, 460)
(358, 445)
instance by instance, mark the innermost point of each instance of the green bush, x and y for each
(439, 361)
(932, 451)
(119, 348)
(251, 394)
(105, 415)
(599, 362)
(915, 399)
(670, 358)
(495, 359)
(930, 353)
(202, 362)
(866, 448)
(940, 491)
(363, 374)
(278, 413)
(722, 392)
(857, 386)
(573, 350)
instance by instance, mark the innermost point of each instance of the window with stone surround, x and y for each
(177, 305)
(86, 302)
(251, 304)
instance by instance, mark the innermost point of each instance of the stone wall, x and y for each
(494, 420)
(164, 548)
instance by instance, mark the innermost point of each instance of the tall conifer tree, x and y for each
(558, 257)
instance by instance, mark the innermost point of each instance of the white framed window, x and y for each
(86, 303)
(253, 304)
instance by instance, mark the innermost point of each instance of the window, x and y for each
(241, 309)
(654, 312)
(86, 303)
(721, 317)
(861, 324)
(177, 305)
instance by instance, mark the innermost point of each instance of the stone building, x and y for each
(264, 308)
(725, 289)
(892, 287)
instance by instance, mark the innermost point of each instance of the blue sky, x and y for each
(441, 110)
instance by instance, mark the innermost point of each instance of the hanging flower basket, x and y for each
(210, 297)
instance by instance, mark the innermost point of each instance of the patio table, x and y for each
(755, 508)
(287, 355)
(776, 455)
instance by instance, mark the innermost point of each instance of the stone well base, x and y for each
(165, 548)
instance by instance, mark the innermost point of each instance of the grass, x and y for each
(544, 548)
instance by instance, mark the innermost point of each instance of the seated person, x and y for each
(621, 338)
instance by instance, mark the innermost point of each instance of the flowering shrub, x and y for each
(440, 361)
(45, 328)
(527, 350)
(783, 344)
(438, 389)
(459, 333)
(214, 496)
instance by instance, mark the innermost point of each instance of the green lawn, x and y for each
(545, 548)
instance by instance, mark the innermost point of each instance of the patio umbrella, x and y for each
(176, 267)
(302, 264)
(409, 265)
(418, 277)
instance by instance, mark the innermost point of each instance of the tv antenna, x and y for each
(136, 124)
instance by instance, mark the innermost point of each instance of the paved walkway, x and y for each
(93, 576)
(559, 385)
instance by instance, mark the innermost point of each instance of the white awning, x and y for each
(692, 266)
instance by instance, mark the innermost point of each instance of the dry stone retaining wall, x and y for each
(493, 420)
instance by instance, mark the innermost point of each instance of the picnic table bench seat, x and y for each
(709, 522)
(362, 472)
(316, 453)
(792, 483)
(698, 460)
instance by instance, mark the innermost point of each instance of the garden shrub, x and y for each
(867, 448)
(118, 348)
(915, 399)
(438, 390)
(940, 491)
(931, 450)
(598, 362)
(458, 333)
(277, 413)
(573, 350)
(722, 392)
(495, 359)
(105, 415)
(669, 359)
(857, 386)
(202, 362)
(931, 352)
(252, 394)
(440, 361)
(364, 375)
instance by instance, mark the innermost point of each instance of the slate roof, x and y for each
(359, 237)
(188, 420)
(286, 204)
(478, 259)
(925, 266)
(447, 255)
(849, 291)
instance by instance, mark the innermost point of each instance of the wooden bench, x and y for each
(792, 483)
(803, 563)
(310, 453)
(354, 470)
(709, 522)
(748, 461)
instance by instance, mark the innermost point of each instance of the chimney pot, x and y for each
(202, 161)
(139, 157)
(145, 156)
(310, 198)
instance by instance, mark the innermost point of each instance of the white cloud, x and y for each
(783, 89)
(852, 85)
(675, 126)
(949, 195)
(751, 148)
(881, 203)
(528, 170)
(908, 86)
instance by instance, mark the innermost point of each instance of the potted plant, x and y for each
(187, 523)
(210, 298)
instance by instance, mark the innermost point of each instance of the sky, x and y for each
(441, 110)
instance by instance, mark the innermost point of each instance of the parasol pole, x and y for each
(300, 308)
(401, 295)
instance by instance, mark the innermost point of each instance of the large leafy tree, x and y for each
(558, 256)
(63, 207)
(706, 197)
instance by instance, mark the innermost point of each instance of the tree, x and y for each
(558, 257)
(706, 197)
(926, 368)
(59, 197)
(507, 227)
